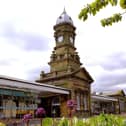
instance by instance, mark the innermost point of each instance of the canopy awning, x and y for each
(103, 98)
(18, 84)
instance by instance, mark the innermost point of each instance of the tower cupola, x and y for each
(64, 18)
(64, 30)
(64, 55)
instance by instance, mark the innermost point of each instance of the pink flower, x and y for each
(40, 111)
(26, 117)
(71, 104)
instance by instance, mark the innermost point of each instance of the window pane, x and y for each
(78, 102)
(85, 102)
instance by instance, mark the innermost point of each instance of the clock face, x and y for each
(71, 39)
(60, 38)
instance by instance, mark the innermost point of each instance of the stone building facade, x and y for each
(121, 98)
(66, 70)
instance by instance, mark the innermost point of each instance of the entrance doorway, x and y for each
(46, 104)
(51, 106)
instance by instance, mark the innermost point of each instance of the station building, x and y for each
(67, 79)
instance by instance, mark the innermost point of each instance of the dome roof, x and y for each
(64, 18)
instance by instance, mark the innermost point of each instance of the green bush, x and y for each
(101, 120)
(47, 122)
(106, 120)
(63, 122)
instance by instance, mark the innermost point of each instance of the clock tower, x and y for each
(64, 56)
(65, 68)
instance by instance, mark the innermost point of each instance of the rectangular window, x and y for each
(85, 102)
(82, 103)
(78, 101)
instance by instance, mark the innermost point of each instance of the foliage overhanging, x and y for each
(94, 7)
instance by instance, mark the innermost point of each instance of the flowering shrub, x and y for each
(40, 112)
(26, 117)
(71, 104)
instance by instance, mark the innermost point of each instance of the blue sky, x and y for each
(26, 41)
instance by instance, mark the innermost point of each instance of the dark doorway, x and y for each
(51, 106)
(56, 106)
(46, 104)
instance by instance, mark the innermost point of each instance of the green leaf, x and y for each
(89, 8)
(123, 4)
(83, 13)
(103, 22)
(113, 2)
(85, 17)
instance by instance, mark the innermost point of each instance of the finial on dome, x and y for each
(64, 11)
